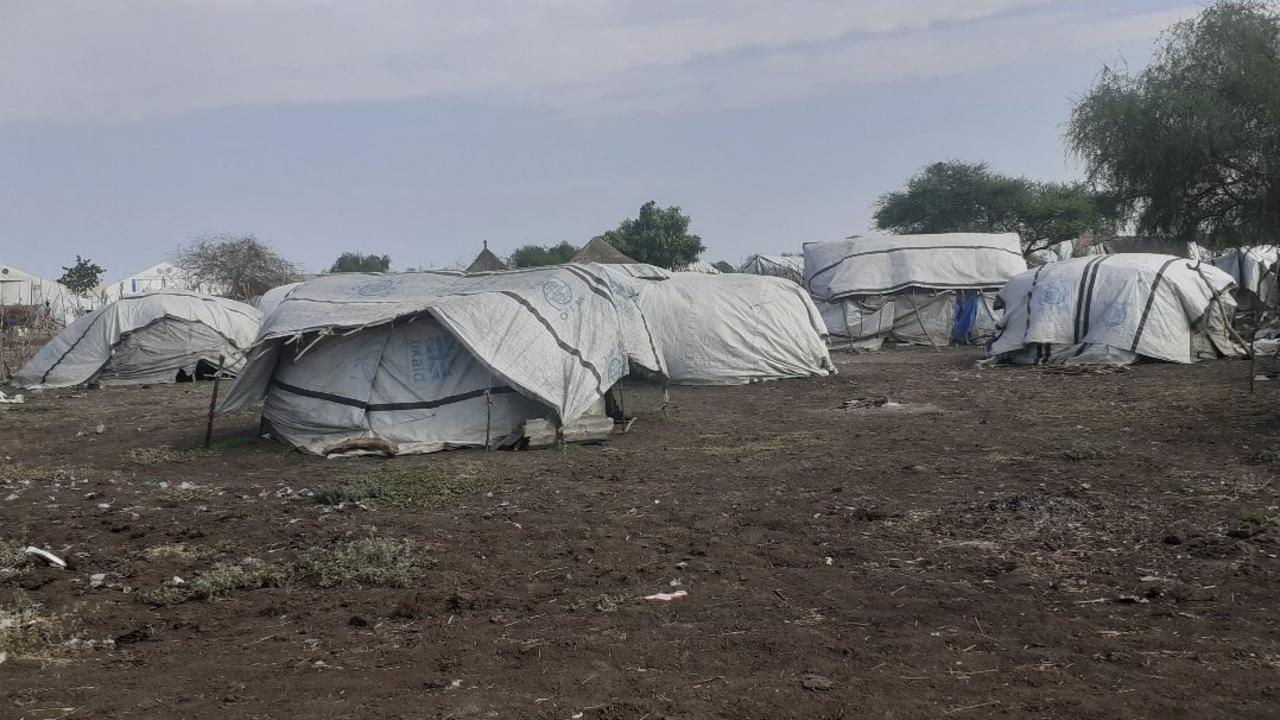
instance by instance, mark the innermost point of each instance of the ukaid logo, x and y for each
(432, 358)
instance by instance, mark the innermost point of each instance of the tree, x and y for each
(1190, 146)
(724, 267)
(539, 255)
(658, 236)
(956, 196)
(82, 277)
(238, 267)
(359, 262)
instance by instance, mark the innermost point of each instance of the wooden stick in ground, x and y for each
(488, 412)
(622, 407)
(213, 402)
(1253, 360)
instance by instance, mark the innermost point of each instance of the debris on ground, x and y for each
(47, 556)
(864, 403)
(666, 597)
(814, 681)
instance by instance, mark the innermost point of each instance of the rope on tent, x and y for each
(911, 299)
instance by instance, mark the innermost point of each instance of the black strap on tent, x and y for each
(837, 263)
(1151, 299)
(1082, 295)
(575, 352)
(388, 407)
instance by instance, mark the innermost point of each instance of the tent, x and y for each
(161, 277)
(271, 299)
(1114, 308)
(1254, 272)
(790, 267)
(927, 289)
(486, 261)
(730, 329)
(19, 288)
(422, 362)
(699, 266)
(144, 339)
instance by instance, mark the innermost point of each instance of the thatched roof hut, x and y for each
(599, 251)
(486, 261)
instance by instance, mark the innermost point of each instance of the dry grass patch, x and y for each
(760, 446)
(398, 487)
(220, 581)
(369, 562)
(27, 633)
(378, 562)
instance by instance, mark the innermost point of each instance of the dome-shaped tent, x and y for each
(925, 289)
(144, 339)
(729, 329)
(1114, 308)
(422, 362)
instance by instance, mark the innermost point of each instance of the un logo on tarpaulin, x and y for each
(1053, 295)
(379, 287)
(557, 293)
(1116, 314)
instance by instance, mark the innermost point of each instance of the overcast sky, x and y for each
(419, 129)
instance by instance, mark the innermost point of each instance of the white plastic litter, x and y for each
(47, 557)
(12, 399)
(666, 597)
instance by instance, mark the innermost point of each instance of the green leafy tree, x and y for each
(1190, 146)
(82, 277)
(956, 196)
(359, 262)
(539, 255)
(658, 236)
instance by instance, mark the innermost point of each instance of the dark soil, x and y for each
(1027, 544)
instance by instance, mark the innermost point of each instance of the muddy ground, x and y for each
(1009, 543)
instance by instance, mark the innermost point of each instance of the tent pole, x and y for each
(920, 321)
(622, 405)
(213, 402)
(488, 411)
(844, 313)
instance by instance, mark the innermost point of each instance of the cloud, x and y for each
(90, 61)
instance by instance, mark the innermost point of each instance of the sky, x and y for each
(421, 128)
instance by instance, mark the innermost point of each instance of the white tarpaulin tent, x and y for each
(730, 329)
(930, 289)
(790, 267)
(271, 299)
(144, 339)
(21, 288)
(421, 362)
(1254, 270)
(1112, 308)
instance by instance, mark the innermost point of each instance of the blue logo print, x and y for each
(432, 358)
(1116, 314)
(380, 287)
(1053, 295)
(557, 293)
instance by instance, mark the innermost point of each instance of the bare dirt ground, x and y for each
(1027, 544)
